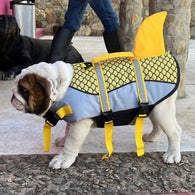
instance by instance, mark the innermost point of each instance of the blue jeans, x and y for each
(103, 9)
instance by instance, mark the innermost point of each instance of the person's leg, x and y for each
(63, 36)
(74, 14)
(106, 13)
(113, 41)
(110, 21)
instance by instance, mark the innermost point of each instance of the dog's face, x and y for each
(9, 31)
(32, 94)
(39, 85)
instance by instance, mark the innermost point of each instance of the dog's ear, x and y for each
(9, 31)
(46, 85)
(65, 74)
(17, 31)
(13, 29)
(59, 74)
(53, 92)
(49, 86)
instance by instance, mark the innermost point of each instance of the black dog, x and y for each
(18, 52)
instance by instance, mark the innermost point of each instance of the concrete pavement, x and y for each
(22, 133)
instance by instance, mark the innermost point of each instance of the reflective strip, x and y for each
(105, 107)
(141, 88)
(142, 94)
(103, 95)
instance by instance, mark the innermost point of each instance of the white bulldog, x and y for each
(40, 86)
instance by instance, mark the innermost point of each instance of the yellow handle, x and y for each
(112, 55)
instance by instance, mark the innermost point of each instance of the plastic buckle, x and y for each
(87, 65)
(49, 123)
(107, 116)
(143, 110)
(51, 118)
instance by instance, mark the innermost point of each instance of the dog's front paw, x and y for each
(61, 162)
(172, 157)
(8, 75)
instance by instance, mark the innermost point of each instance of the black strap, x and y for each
(51, 118)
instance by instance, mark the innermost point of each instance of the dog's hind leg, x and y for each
(154, 135)
(164, 115)
(73, 144)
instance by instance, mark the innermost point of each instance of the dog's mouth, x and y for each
(17, 103)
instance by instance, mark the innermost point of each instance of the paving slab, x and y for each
(122, 174)
(22, 133)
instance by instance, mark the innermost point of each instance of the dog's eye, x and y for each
(24, 92)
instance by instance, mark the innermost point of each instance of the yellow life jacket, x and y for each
(116, 88)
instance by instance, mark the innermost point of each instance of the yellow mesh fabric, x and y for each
(162, 68)
(119, 72)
